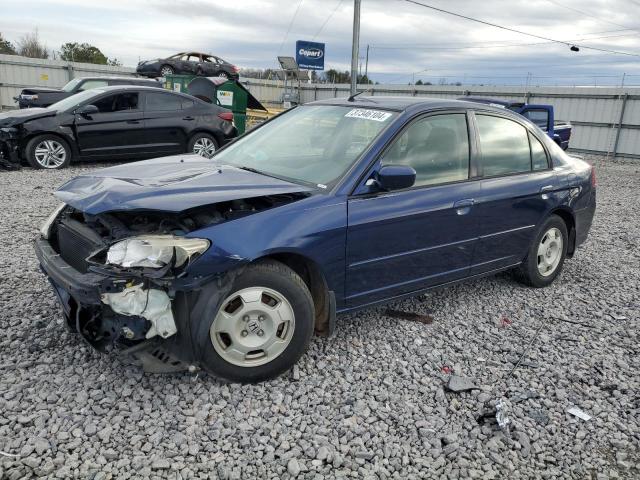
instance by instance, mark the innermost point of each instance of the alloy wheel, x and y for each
(204, 147)
(550, 252)
(50, 154)
(253, 327)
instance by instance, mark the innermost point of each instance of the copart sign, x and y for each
(310, 55)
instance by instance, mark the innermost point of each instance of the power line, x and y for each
(509, 29)
(328, 18)
(295, 14)
(503, 45)
(582, 12)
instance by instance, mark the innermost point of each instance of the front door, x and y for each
(116, 130)
(403, 241)
(517, 190)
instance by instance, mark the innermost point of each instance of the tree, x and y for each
(85, 53)
(6, 46)
(29, 45)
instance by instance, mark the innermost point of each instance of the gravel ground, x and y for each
(368, 403)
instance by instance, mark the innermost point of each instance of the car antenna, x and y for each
(352, 97)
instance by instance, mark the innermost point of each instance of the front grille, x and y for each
(76, 242)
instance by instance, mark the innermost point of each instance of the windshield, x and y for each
(312, 144)
(71, 85)
(73, 101)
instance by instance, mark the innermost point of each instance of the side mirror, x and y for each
(87, 110)
(396, 177)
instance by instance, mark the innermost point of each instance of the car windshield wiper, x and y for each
(285, 179)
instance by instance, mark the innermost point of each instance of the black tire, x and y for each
(35, 142)
(280, 278)
(529, 272)
(202, 136)
(169, 70)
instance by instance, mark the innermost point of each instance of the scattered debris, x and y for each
(505, 322)
(415, 317)
(296, 373)
(446, 369)
(526, 395)
(521, 362)
(502, 416)
(12, 455)
(539, 417)
(460, 384)
(573, 322)
(617, 317)
(576, 412)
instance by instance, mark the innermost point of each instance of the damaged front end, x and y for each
(10, 148)
(125, 283)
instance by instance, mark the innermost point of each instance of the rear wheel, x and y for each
(203, 144)
(224, 74)
(263, 327)
(49, 152)
(546, 254)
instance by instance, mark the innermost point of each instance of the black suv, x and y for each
(43, 97)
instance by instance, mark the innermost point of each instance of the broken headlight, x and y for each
(155, 251)
(45, 229)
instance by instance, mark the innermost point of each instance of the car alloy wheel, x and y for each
(204, 147)
(50, 154)
(550, 252)
(253, 327)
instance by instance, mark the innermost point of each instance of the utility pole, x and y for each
(366, 64)
(354, 46)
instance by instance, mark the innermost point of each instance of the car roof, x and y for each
(124, 88)
(137, 79)
(405, 103)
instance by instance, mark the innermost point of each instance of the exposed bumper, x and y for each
(10, 147)
(89, 306)
(584, 219)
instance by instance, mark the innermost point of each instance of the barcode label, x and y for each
(368, 114)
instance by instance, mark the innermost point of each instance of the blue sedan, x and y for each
(230, 264)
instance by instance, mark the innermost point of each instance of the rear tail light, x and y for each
(235, 69)
(228, 116)
(593, 177)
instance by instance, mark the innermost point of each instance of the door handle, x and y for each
(546, 188)
(187, 118)
(133, 121)
(463, 206)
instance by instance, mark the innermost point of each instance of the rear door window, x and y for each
(504, 145)
(162, 102)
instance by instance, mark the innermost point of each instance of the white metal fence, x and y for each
(17, 73)
(605, 120)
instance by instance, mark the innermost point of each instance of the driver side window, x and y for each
(117, 103)
(436, 147)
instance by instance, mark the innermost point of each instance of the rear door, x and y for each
(116, 130)
(402, 241)
(166, 123)
(516, 191)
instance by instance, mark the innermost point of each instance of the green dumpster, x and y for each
(178, 83)
(229, 94)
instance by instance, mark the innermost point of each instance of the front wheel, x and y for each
(166, 70)
(49, 152)
(546, 254)
(262, 328)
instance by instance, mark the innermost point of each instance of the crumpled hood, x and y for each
(16, 117)
(170, 184)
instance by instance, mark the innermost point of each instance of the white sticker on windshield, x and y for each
(368, 114)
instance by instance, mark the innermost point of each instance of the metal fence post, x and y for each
(70, 71)
(622, 108)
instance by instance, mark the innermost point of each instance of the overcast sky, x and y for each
(418, 43)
